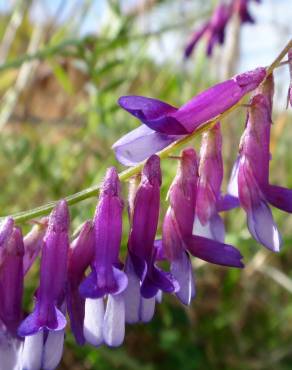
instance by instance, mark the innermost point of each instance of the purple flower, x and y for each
(290, 71)
(214, 30)
(145, 278)
(33, 243)
(166, 123)
(80, 257)
(250, 177)
(241, 8)
(44, 328)
(106, 278)
(11, 289)
(208, 223)
(177, 235)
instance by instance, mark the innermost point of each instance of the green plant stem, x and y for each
(127, 174)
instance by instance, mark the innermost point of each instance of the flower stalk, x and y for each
(93, 191)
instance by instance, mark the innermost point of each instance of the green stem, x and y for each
(127, 174)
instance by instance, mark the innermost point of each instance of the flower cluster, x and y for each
(85, 279)
(214, 29)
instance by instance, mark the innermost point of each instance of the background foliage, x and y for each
(58, 120)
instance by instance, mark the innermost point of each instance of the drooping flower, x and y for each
(177, 238)
(81, 254)
(106, 279)
(163, 123)
(289, 100)
(250, 177)
(11, 290)
(213, 29)
(209, 201)
(145, 278)
(43, 329)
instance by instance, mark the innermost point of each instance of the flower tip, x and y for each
(111, 183)
(59, 219)
(6, 228)
(253, 78)
(152, 171)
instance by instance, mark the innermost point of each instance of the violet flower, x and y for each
(250, 177)
(289, 99)
(177, 238)
(80, 256)
(145, 278)
(106, 279)
(44, 328)
(163, 123)
(209, 201)
(11, 290)
(214, 30)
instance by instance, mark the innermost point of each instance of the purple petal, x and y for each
(263, 228)
(213, 251)
(33, 351)
(140, 144)
(196, 36)
(93, 321)
(217, 99)
(159, 250)
(183, 273)
(53, 350)
(33, 242)
(147, 309)
(52, 319)
(11, 281)
(153, 113)
(157, 279)
(279, 197)
(114, 321)
(226, 203)
(6, 228)
(76, 311)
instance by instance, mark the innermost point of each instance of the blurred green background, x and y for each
(63, 65)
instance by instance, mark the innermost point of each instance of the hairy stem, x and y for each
(127, 174)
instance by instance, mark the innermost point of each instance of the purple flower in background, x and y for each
(145, 278)
(11, 290)
(106, 278)
(163, 123)
(44, 328)
(250, 177)
(81, 255)
(209, 202)
(177, 238)
(241, 8)
(214, 30)
(289, 100)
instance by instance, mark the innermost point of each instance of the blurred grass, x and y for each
(57, 141)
